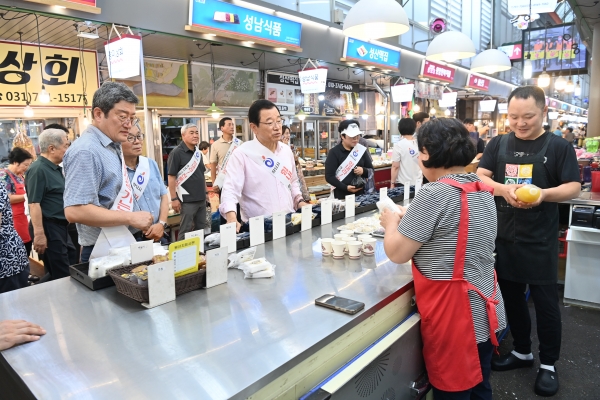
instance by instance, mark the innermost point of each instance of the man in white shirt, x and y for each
(405, 155)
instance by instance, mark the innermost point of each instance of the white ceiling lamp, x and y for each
(365, 115)
(28, 111)
(349, 115)
(544, 79)
(359, 101)
(301, 115)
(450, 46)
(433, 111)
(321, 97)
(527, 69)
(447, 112)
(376, 19)
(416, 108)
(44, 96)
(491, 61)
(560, 83)
(393, 115)
(578, 90)
(570, 87)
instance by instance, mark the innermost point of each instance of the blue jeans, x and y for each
(483, 391)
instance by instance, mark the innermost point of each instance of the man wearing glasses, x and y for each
(97, 193)
(149, 190)
(186, 181)
(262, 171)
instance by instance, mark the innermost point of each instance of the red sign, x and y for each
(478, 82)
(514, 52)
(86, 2)
(430, 69)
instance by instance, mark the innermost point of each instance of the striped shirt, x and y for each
(93, 175)
(433, 218)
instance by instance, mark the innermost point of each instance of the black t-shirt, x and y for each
(561, 162)
(195, 185)
(480, 145)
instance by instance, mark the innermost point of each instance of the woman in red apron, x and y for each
(449, 232)
(14, 181)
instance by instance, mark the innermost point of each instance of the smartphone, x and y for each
(339, 303)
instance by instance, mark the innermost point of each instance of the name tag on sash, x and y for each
(141, 177)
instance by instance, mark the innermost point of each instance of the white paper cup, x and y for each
(326, 248)
(368, 246)
(338, 248)
(347, 232)
(354, 249)
(339, 236)
(363, 237)
(348, 240)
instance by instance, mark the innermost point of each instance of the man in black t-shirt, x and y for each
(527, 237)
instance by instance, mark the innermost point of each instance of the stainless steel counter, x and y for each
(224, 342)
(586, 198)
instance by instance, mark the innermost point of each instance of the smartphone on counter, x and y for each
(340, 304)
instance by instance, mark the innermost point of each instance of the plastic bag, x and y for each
(251, 267)
(243, 256)
(99, 266)
(358, 182)
(213, 240)
(388, 204)
(266, 273)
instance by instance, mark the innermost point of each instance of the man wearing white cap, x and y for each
(346, 162)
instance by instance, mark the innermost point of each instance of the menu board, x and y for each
(234, 87)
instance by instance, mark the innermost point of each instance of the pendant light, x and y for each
(44, 96)
(213, 110)
(560, 83)
(365, 115)
(527, 69)
(544, 79)
(416, 108)
(301, 115)
(450, 46)
(28, 111)
(349, 115)
(447, 113)
(578, 90)
(433, 111)
(491, 61)
(376, 19)
(393, 115)
(570, 86)
(359, 101)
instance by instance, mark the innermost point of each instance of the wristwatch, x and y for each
(163, 223)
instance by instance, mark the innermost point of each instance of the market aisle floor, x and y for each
(578, 367)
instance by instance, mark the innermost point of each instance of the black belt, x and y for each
(57, 221)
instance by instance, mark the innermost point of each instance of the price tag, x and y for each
(350, 205)
(200, 235)
(306, 218)
(257, 231)
(216, 267)
(383, 193)
(279, 225)
(228, 239)
(326, 210)
(161, 284)
(418, 185)
(141, 251)
(185, 255)
(406, 190)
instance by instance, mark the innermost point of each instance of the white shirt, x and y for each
(406, 153)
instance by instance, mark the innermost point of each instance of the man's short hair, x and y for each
(257, 107)
(204, 145)
(546, 127)
(57, 126)
(188, 126)
(345, 123)
(525, 92)
(407, 126)
(447, 142)
(110, 93)
(469, 121)
(223, 120)
(420, 116)
(51, 137)
(570, 129)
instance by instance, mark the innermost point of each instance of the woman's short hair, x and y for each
(284, 128)
(447, 142)
(204, 145)
(19, 155)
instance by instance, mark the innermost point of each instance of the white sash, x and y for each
(187, 171)
(268, 161)
(350, 162)
(141, 177)
(124, 200)
(222, 169)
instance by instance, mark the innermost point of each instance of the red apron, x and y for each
(449, 343)
(18, 209)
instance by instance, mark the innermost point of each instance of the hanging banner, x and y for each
(402, 93)
(235, 22)
(448, 99)
(166, 83)
(284, 91)
(123, 56)
(478, 82)
(234, 87)
(514, 51)
(68, 75)
(79, 5)
(440, 72)
(430, 91)
(313, 80)
(528, 7)
(370, 54)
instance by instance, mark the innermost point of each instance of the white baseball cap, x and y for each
(352, 130)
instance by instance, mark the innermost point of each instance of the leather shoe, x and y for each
(546, 383)
(509, 361)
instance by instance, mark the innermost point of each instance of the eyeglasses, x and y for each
(124, 119)
(131, 139)
(279, 123)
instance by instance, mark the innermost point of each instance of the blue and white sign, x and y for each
(369, 53)
(220, 17)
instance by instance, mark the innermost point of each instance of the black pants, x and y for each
(547, 313)
(15, 282)
(60, 253)
(483, 391)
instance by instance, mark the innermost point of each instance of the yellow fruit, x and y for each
(528, 193)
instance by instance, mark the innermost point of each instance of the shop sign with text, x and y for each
(313, 80)
(68, 75)
(123, 56)
(435, 71)
(371, 54)
(514, 51)
(478, 82)
(220, 17)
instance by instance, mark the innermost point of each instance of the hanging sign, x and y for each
(528, 7)
(123, 56)
(370, 54)
(513, 51)
(313, 80)
(433, 70)
(448, 99)
(64, 72)
(235, 22)
(478, 82)
(401, 93)
(79, 5)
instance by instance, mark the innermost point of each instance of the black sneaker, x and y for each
(546, 383)
(508, 362)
